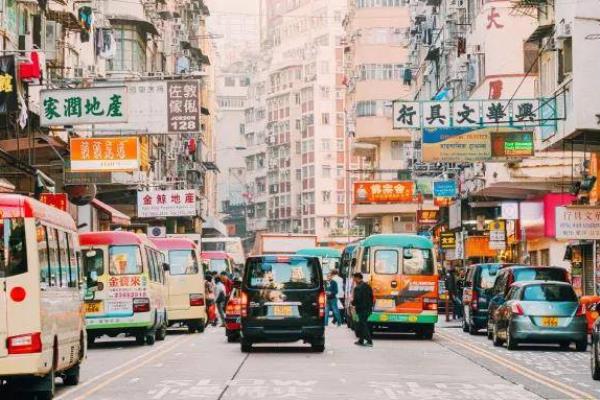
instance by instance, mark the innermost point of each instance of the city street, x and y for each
(452, 366)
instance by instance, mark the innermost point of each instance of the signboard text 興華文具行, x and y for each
(96, 154)
(383, 192)
(97, 105)
(578, 223)
(166, 203)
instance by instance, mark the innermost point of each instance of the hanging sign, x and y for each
(383, 192)
(105, 154)
(578, 223)
(166, 203)
(444, 188)
(448, 240)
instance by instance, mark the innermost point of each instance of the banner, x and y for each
(166, 203)
(383, 192)
(475, 145)
(444, 188)
(97, 105)
(105, 154)
(8, 85)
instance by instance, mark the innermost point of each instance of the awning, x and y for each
(540, 32)
(143, 24)
(67, 19)
(116, 216)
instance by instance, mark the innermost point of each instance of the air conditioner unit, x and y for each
(157, 231)
(564, 30)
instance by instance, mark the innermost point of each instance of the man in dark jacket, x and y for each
(362, 300)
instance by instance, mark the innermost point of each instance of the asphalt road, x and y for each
(454, 365)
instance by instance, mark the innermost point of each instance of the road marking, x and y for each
(117, 368)
(528, 373)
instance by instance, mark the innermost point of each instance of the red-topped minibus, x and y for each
(42, 326)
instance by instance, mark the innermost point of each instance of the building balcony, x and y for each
(381, 89)
(377, 127)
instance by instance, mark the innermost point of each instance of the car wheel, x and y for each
(595, 366)
(511, 343)
(581, 345)
(161, 333)
(495, 338)
(90, 340)
(140, 339)
(318, 346)
(50, 387)
(151, 339)
(232, 338)
(71, 376)
(201, 325)
(245, 345)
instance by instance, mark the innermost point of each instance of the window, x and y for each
(125, 260)
(417, 262)
(13, 254)
(130, 51)
(372, 108)
(545, 257)
(152, 265)
(540, 274)
(269, 273)
(229, 81)
(73, 261)
(396, 149)
(487, 275)
(386, 262)
(325, 118)
(93, 266)
(65, 270)
(53, 257)
(242, 129)
(326, 171)
(218, 265)
(364, 262)
(42, 242)
(326, 196)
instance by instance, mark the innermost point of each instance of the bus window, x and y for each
(53, 257)
(218, 265)
(13, 254)
(74, 267)
(93, 266)
(65, 268)
(183, 262)
(151, 265)
(124, 260)
(417, 262)
(364, 263)
(42, 241)
(386, 262)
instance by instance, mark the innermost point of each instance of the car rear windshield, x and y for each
(278, 274)
(545, 292)
(182, 262)
(13, 250)
(540, 274)
(417, 262)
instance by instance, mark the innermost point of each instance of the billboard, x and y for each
(383, 192)
(427, 217)
(475, 145)
(8, 84)
(444, 188)
(97, 105)
(166, 203)
(99, 154)
(578, 223)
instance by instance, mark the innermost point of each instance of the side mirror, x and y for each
(166, 267)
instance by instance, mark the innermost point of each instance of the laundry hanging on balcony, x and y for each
(105, 43)
(85, 17)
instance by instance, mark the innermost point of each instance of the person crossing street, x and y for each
(362, 300)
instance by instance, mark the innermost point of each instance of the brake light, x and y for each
(429, 303)
(141, 304)
(233, 307)
(474, 300)
(580, 310)
(322, 304)
(25, 344)
(244, 304)
(516, 309)
(196, 299)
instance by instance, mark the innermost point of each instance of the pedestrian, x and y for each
(362, 300)
(220, 299)
(340, 295)
(331, 291)
(228, 283)
(450, 280)
(210, 299)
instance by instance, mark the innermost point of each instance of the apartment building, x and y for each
(305, 154)
(378, 71)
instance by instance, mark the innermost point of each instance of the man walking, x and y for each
(331, 292)
(340, 295)
(362, 300)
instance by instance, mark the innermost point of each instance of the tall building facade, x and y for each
(300, 85)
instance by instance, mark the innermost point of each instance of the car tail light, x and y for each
(141, 304)
(516, 309)
(474, 300)
(244, 304)
(25, 344)
(233, 307)
(322, 304)
(429, 303)
(196, 299)
(580, 310)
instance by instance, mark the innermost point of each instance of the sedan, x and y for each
(540, 312)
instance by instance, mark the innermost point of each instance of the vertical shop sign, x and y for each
(8, 85)
(183, 106)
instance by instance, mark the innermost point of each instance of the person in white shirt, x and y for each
(340, 294)
(220, 299)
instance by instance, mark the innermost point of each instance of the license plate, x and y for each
(95, 307)
(282, 311)
(551, 322)
(385, 303)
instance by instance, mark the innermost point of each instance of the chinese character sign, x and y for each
(58, 200)
(183, 106)
(578, 223)
(406, 115)
(384, 192)
(105, 154)
(96, 105)
(8, 87)
(427, 217)
(166, 203)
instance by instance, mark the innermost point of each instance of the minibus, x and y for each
(329, 257)
(400, 270)
(126, 289)
(219, 261)
(42, 328)
(186, 300)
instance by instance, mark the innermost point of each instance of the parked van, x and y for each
(401, 271)
(42, 329)
(186, 301)
(126, 286)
